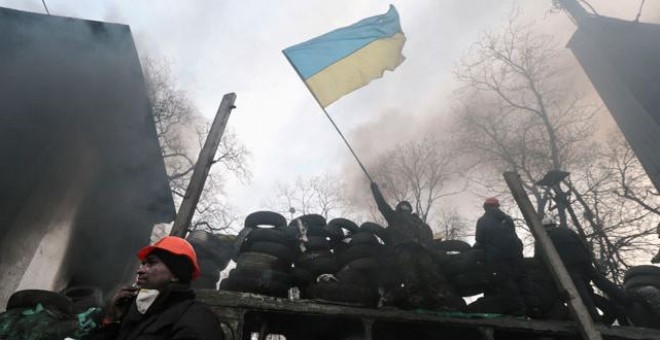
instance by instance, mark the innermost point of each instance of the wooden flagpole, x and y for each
(330, 119)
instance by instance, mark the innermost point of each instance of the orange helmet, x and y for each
(176, 246)
(492, 201)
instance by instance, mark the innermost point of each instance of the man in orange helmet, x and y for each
(496, 235)
(163, 305)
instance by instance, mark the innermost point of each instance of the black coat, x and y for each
(572, 250)
(402, 226)
(496, 235)
(175, 315)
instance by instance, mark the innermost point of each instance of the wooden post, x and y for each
(576, 10)
(552, 259)
(202, 167)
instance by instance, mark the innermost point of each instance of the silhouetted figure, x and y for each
(402, 224)
(413, 278)
(496, 235)
(576, 256)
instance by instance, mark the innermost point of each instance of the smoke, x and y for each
(74, 107)
(432, 111)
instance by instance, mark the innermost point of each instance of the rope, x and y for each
(593, 10)
(639, 13)
(46, 7)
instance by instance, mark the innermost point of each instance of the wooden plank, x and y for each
(552, 259)
(223, 300)
(202, 166)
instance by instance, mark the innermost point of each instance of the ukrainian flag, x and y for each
(339, 62)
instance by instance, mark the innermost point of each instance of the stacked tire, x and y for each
(265, 253)
(356, 281)
(213, 254)
(463, 266)
(642, 285)
(317, 256)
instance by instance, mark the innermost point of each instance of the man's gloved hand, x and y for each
(119, 305)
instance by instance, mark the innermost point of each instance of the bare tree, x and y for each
(420, 172)
(453, 226)
(321, 194)
(522, 116)
(181, 133)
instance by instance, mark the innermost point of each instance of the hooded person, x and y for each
(414, 279)
(496, 235)
(402, 224)
(574, 253)
(163, 305)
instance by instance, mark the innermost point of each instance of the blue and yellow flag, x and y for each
(339, 62)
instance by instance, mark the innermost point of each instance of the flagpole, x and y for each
(330, 119)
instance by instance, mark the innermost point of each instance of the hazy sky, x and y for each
(219, 46)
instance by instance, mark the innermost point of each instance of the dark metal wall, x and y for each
(75, 120)
(622, 59)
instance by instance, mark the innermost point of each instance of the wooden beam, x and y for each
(226, 302)
(202, 166)
(552, 259)
(576, 11)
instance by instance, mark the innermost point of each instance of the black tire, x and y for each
(323, 264)
(346, 226)
(278, 250)
(357, 252)
(268, 282)
(471, 283)
(239, 242)
(642, 270)
(464, 262)
(344, 223)
(377, 230)
(451, 245)
(29, 298)
(642, 316)
(338, 247)
(268, 218)
(311, 255)
(364, 238)
(317, 243)
(262, 261)
(271, 235)
(335, 232)
(302, 277)
(641, 280)
(352, 276)
(84, 297)
(365, 263)
(310, 221)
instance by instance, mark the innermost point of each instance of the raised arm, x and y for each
(384, 208)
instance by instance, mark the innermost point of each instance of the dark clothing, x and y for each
(496, 235)
(508, 277)
(575, 255)
(571, 248)
(412, 279)
(175, 315)
(402, 226)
